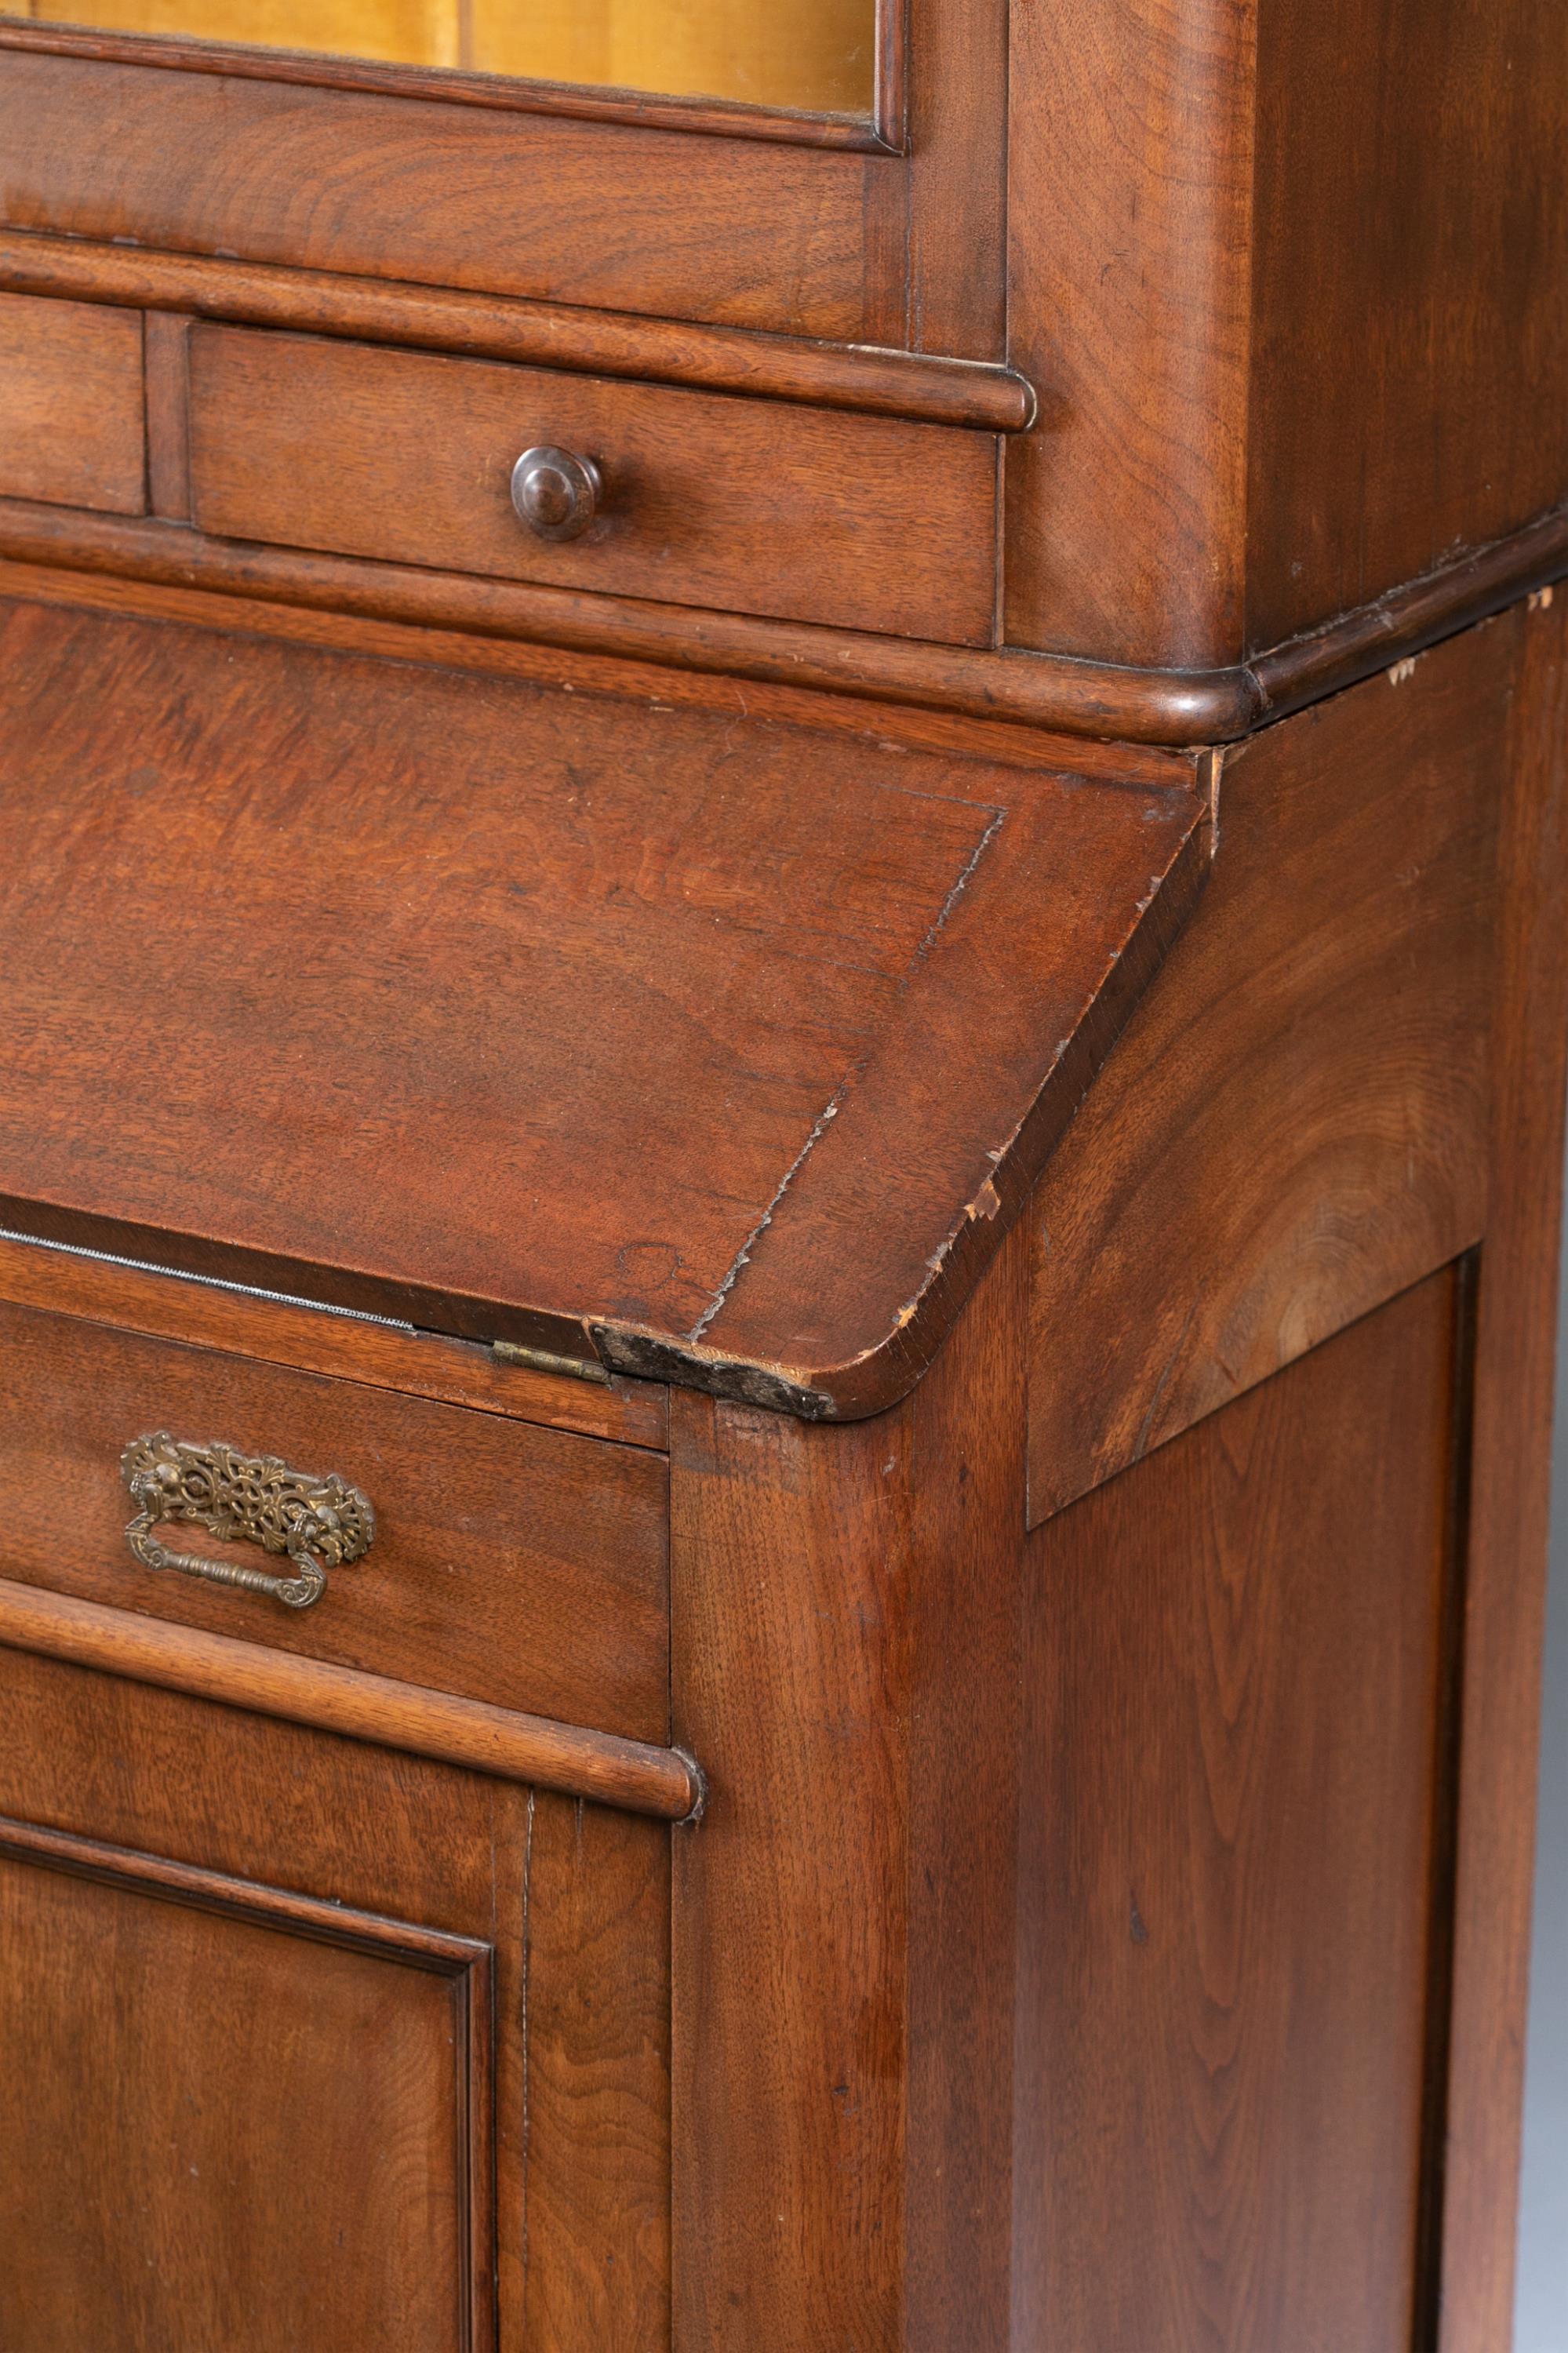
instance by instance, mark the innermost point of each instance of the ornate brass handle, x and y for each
(319, 1522)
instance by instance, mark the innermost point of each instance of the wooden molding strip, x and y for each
(1410, 618)
(218, 1891)
(717, 118)
(628, 1774)
(880, 382)
(922, 727)
(1079, 698)
(1075, 698)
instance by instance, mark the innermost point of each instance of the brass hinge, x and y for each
(540, 1360)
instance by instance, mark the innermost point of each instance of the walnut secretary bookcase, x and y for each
(782, 846)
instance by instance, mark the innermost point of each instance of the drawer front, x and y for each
(71, 425)
(708, 500)
(510, 1562)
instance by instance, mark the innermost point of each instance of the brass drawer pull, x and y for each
(319, 1522)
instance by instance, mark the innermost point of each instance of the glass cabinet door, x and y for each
(814, 56)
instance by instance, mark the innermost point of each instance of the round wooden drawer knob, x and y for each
(556, 493)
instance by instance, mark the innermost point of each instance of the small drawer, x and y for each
(510, 1562)
(702, 498)
(71, 424)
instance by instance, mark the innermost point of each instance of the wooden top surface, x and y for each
(722, 1051)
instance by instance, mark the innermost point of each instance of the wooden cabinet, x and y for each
(783, 810)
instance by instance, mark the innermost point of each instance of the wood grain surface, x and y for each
(1234, 1679)
(598, 2081)
(1103, 705)
(511, 1564)
(1505, 1600)
(270, 2051)
(935, 387)
(846, 1619)
(954, 257)
(728, 231)
(346, 1347)
(216, 1982)
(1294, 1127)
(1130, 182)
(968, 1457)
(1287, 282)
(71, 393)
(658, 987)
(792, 1671)
(165, 337)
(707, 501)
(538, 661)
(1409, 358)
(600, 1768)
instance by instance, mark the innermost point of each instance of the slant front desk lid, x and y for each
(718, 1051)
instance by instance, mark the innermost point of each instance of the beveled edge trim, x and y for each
(413, 1945)
(629, 1774)
(880, 133)
(876, 379)
(467, 1964)
(1179, 709)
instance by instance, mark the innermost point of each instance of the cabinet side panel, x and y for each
(1293, 1126)
(1410, 345)
(1506, 1577)
(1233, 1676)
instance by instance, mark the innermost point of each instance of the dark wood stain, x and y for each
(1227, 1817)
(1409, 371)
(290, 2032)
(725, 230)
(1293, 1125)
(681, 955)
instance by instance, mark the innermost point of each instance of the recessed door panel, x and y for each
(233, 2117)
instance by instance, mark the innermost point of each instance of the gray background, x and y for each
(1541, 2322)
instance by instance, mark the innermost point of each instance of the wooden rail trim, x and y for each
(1484, 581)
(627, 1774)
(880, 382)
(1079, 698)
(1178, 709)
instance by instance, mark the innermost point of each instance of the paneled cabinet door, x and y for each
(305, 2044)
